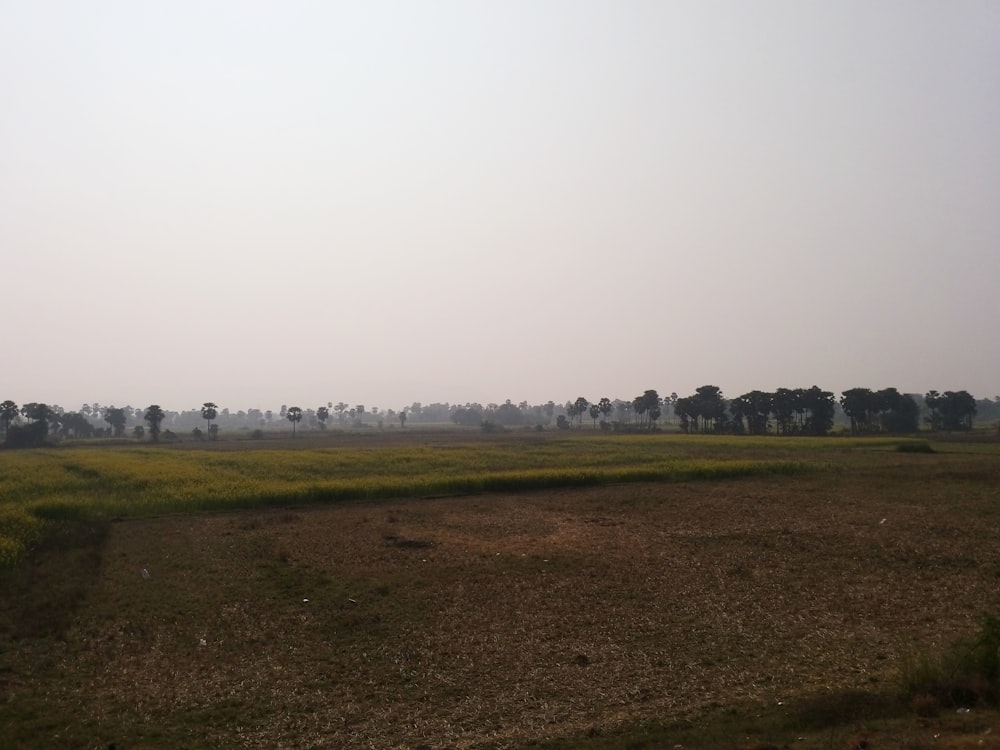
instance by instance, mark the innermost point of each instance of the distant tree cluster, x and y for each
(812, 411)
(791, 411)
(785, 411)
(887, 410)
(951, 410)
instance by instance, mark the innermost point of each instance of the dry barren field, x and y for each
(508, 620)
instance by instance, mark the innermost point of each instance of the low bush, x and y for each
(915, 446)
(966, 674)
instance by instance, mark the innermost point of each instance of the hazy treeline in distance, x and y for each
(785, 411)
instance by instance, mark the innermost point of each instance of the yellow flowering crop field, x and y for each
(95, 481)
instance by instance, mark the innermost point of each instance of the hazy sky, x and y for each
(265, 203)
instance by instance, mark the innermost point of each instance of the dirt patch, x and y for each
(494, 620)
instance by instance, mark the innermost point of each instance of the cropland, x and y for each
(450, 589)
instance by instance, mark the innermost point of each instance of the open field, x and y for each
(401, 593)
(131, 480)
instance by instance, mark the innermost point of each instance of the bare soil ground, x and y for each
(503, 620)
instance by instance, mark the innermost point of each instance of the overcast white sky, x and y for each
(265, 203)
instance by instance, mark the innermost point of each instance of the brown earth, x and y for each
(494, 621)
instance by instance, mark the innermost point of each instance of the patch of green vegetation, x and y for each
(965, 675)
(83, 483)
(915, 446)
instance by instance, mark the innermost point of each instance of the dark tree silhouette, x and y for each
(605, 407)
(154, 416)
(957, 410)
(785, 404)
(8, 413)
(117, 418)
(40, 415)
(933, 401)
(857, 404)
(209, 411)
(752, 412)
(887, 410)
(294, 415)
(686, 411)
(75, 424)
(649, 405)
(508, 414)
(899, 412)
(470, 415)
(711, 407)
(819, 407)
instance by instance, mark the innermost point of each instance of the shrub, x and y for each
(966, 674)
(915, 446)
(257, 434)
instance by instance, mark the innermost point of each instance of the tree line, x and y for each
(794, 411)
(785, 411)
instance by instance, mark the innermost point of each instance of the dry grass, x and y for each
(508, 619)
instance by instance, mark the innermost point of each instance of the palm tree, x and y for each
(856, 403)
(933, 400)
(341, 409)
(957, 410)
(154, 415)
(209, 411)
(820, 405)
(754, 407)
(294, 415)
(8, 413)
(605, 407)
(651, 406)
(639, 408)
(783, 405)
